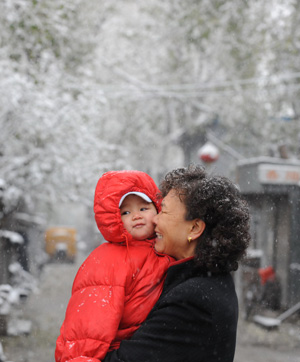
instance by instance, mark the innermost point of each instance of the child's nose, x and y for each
(136, 216)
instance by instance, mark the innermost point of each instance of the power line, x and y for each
(194, 88)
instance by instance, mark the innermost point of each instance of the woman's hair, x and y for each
(216, 201)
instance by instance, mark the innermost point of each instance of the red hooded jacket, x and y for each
(120, 281)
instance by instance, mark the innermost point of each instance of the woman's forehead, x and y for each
(171, 198)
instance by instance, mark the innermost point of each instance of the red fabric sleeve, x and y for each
(93, 314)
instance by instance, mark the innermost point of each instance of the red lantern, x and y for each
(208, 153)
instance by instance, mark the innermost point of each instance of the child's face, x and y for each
(137, 216)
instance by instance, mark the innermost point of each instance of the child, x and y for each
(120, 281)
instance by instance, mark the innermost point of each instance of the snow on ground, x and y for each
(46, 309)
(255, 343)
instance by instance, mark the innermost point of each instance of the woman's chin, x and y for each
(158, 246)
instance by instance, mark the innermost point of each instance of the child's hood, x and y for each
(109, 191)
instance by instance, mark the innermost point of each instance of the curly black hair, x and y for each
(218, 202)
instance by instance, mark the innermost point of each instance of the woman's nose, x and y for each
(154, 220)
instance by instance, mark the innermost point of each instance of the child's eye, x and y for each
(124, 213)
(144, 208)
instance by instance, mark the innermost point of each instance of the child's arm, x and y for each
(94, 311)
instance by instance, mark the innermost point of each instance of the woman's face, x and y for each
(172, 230)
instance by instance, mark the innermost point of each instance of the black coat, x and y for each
(195, 319)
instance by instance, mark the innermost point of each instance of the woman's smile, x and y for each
(172, 229)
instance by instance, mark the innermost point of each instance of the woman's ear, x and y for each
(197, 229)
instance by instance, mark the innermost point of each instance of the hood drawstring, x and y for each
(128, 255)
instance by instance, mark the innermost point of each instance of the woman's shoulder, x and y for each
(210, 284)
(193, 283)
(205, 279)
(211, 295)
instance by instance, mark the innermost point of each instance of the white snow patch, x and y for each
(12, 236)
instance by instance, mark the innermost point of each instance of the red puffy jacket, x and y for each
(119, 282)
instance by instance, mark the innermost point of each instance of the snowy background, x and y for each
(89, 86)
(92, 86)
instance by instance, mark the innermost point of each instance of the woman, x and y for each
(204, 225)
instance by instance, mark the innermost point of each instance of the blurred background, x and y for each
(92, 86)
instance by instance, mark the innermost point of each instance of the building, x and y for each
(272, 189)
